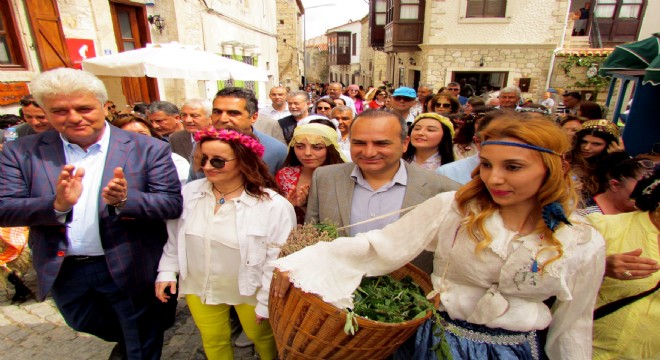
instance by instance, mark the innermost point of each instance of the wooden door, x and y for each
(47, 34)
(132, 33)
(619, 20)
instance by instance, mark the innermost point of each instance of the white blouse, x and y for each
(497, 287)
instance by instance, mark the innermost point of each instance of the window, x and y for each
(390, 12)
(343, 43)
(11, 53)
(409, 10)
(630, 9)
(605, 9)
(354, 45)
(485, 8)
(380, 12)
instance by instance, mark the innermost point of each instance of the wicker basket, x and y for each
(306, 327)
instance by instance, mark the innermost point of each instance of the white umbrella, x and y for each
(173, 61)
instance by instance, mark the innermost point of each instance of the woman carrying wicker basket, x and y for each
(231, 227)
(502, 247)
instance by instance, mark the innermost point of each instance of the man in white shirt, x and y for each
(335, 91)
(344, 116)
(278, 107)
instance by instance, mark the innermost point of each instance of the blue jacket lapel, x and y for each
(51, 152)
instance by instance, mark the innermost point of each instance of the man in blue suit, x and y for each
(96, 199)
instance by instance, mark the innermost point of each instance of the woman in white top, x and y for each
(230, 229)
(502, 247)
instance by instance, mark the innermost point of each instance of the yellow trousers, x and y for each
(213, 323)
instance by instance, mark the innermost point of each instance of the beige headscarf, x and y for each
(316, 134)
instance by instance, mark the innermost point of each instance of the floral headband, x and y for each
(231, 136)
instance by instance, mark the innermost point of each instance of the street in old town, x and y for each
(36, 330)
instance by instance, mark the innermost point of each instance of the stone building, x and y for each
(489, 43)
(344, 52)
(290, 42)
(45, 34)
(373, 62)
(316, 59)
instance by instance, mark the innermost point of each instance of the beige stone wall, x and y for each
(561, 82)
(438, 63)
(317, 70)
(289, 43)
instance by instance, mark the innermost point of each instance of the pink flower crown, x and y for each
(232, 136)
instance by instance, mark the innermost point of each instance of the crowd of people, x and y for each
(518, 211)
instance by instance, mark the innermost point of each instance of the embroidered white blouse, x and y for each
(496, 288)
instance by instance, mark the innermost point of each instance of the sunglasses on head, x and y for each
(215, 162)
(443, 105)
(24, 102)
(473, 116)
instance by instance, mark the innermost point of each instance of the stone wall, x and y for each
(373, 63)
(289, 51)
(438, 63)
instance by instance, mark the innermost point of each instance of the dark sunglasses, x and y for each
(215, 162)
(453, 89)
(323, 108)
(443, 105)
(402, 98)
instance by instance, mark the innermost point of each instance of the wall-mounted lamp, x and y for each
(481, 62)
(157, 21)
(412, 61)
(400, 61)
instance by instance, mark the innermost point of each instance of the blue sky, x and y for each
(325, 14)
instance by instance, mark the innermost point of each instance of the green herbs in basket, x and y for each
(381, 298)
(388, 300)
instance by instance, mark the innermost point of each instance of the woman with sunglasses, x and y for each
(378, 101)
(430, 141)
(230, 229)
(313, 145)
(323, 107)
(353, 91)
(445, 104)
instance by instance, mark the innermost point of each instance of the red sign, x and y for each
(79, 50)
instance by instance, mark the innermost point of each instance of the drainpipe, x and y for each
(559, 47)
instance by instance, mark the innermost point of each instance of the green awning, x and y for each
(652, 74)
(640, 55)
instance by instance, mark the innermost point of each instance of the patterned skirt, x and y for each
(461, 340)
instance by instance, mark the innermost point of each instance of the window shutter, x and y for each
(47, 33)
(495, 8)
(475, 8)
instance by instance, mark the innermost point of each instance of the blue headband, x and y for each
(522, 145)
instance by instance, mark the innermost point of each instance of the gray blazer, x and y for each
(331, 194)
(181, 143)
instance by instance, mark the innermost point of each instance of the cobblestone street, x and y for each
(35, 330)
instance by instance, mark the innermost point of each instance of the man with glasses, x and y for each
(34, 117)
(403, 100)
(196, 115)
(454, 88)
